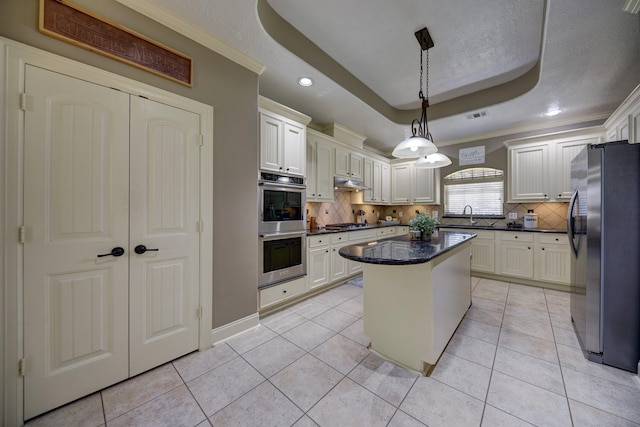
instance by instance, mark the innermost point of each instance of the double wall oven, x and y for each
(281, 229)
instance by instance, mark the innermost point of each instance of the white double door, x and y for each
(105, 170)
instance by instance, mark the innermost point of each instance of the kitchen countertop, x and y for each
(501, 228)
(466, 227)
(401, 250)
(368, 227)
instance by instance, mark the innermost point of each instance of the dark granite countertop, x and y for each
(368, 227)
(401, 250)
(501, 228)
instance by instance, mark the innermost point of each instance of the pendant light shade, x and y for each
(414, 146)
(435, 160)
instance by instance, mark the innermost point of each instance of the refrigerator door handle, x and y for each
(571, 222)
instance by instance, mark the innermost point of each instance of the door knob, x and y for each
(117, 251)
(140, 249)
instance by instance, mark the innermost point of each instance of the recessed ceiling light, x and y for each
(554, 111)
(305, 81)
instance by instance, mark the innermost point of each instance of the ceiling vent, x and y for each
(477, 115)
(632, 6)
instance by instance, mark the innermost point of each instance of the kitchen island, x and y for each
(415, 294)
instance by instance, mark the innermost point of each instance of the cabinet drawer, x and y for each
(381, 232)
(553, 239)
(314, 241)
(282, 292)
(339, 237)
(483, 234)
(362, 235)
(509, 236)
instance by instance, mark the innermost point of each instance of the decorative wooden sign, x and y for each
(66, 21)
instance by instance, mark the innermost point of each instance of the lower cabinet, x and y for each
(553, 259)
(530, 256)
(483, 250)
(279, 293)
(318, 262)
(516, 254)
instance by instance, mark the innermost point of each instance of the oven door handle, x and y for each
(282, 186)
(292, 234)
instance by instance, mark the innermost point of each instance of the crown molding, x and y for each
(195, 33)
(623, 110)
(283, 110)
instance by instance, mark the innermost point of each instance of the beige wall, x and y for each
(232, 91)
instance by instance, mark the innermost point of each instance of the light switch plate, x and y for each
(513, 215)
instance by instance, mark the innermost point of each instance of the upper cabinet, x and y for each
(540, 167)
(348, 163)
(319, 167)
(410, 185)
(624, 123)
(282, 138)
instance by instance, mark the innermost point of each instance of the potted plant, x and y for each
(425, 224)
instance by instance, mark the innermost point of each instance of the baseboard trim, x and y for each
(234, 328)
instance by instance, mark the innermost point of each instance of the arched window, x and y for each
(481, 188)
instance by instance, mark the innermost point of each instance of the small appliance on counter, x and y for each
(360, 216)
(530, 219)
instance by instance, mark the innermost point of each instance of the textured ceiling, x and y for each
(513, 59)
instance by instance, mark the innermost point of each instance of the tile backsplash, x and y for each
(551, 216)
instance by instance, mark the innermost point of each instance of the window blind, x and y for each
(481, 188)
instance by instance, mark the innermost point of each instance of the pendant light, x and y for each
(420, 143)
(435, 160)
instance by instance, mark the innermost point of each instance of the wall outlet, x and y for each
(435, 214)
(400, 214)
(513, 215)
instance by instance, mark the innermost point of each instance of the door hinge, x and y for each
(200, 226)
(200, 140)
(23, 101)
(22, 367)
(21, 234)
(199, 312)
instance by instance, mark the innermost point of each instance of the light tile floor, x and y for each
(514, 361)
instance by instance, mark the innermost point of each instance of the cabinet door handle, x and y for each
(117, 251)
(543, 249)
(516, 237)
(140, 249)
(528, 247)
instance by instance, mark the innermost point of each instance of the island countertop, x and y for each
(401, 250)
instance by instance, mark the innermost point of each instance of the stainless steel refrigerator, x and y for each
(604, 232)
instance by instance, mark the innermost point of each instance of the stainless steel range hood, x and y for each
(349, 184)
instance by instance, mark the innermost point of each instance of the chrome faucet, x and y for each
(464, 211)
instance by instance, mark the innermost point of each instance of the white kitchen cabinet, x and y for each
(529, 173)
(339, 265)
(385, 171)
(282, 138)
(483, 251)
(348, 163)
(367, 177)
(565, 153)
(410, 185)
(280, 293)
(425, 190)
(318, 260)
(319, 178)
(516, 254)
(624, 123)
(318, 266)
(401, 177)
(553, 259)
(376, 177)
(539, 168)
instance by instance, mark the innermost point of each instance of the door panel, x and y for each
(75, 207)
(165, 212)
